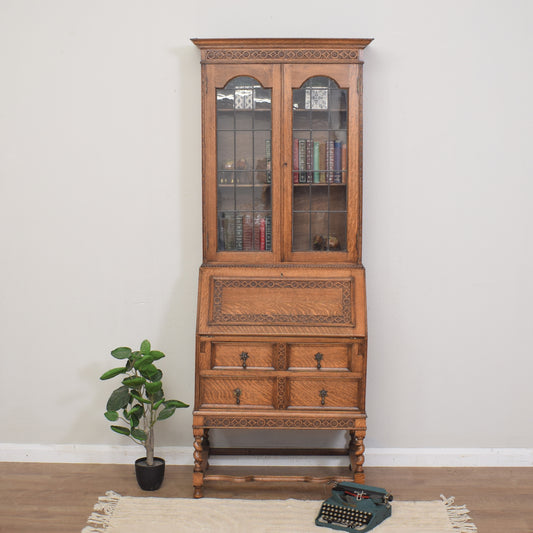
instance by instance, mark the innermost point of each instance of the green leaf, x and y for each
(138, 410)
(119, 399)
(145, 347)
(150, 372)
(157, 354)
(139, 398)
(166, 413)
(139, 434)
(157, 405)
(113, 372)
(175, 404)
(134, 421)
(134, 381)
(121, 353)
(143, 362)
(121, 429)
(152, 388)
(157, 396)
(112, 416)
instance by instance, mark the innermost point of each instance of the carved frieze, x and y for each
(282, 55)
(287, 422)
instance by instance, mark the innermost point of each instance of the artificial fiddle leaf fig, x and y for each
(152, 388)
(139, 398)
(139, 434)
(143, 362)
(121, 353)
(119, 399)
(151, 372)
(142, 383)
(145, 347)
(166, 413)
(175, 404)
(134, 381)
(120, 429)
(113, 372)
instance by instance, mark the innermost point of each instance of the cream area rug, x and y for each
(124, 514)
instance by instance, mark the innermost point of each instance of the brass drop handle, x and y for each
(318, 357)
(323, 393)
(244, 356)
(237, 393)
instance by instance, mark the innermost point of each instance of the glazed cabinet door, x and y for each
(321, 163)
(241, 105)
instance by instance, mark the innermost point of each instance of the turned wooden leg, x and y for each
(357, 457)
(351, 450)
(205, 454)
(198, 472)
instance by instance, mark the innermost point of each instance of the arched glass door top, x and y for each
(244, 166)
(319, 166)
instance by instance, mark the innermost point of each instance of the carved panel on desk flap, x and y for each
(282, 301)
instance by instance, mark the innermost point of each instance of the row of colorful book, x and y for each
(318, 161)
(246, 232)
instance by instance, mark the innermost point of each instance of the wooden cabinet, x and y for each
(281, 328)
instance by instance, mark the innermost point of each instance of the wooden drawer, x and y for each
(319, 356)
(325, 393)
(242, 355)
(227, 392)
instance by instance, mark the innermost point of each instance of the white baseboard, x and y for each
(182, 455)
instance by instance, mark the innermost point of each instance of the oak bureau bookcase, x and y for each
(281, 328)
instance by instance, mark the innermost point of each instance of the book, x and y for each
(268, 233)
(302, 161)
(344, 163)
(337, 161)
(268, 153)
(257, 232)
(262, 234)
(330, 156)
(309, 160)
(316, 162)
(220, 236)
(238, 232)
(247, 232)
(322, 165)
(295, 160)
(229, 233)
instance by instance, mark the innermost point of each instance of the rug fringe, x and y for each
(458, 515)
(99, 520)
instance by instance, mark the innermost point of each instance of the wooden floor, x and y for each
(58, 498)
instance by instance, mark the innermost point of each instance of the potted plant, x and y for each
(140, 402)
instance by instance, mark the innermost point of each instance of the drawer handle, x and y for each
(237, 393)
(244, 356)
(323, 393)
(318, 357)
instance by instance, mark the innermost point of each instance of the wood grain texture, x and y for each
(58, 498)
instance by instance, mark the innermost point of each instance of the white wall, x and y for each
(100, 192)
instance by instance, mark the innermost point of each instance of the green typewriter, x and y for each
(353, 507)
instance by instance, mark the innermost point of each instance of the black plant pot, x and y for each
(150, 477)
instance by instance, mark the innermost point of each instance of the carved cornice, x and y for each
(281, 50)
